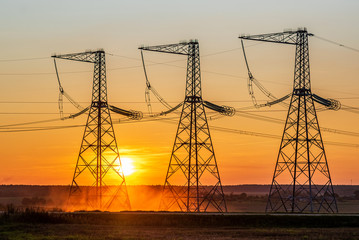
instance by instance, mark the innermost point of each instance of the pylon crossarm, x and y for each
(286, 37)
(177, 48)
(89, 56)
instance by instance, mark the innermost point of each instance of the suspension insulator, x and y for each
(228, 111)
(334, 104)
(136, 115)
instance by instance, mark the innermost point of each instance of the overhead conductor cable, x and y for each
(149, 87)
(252, 80)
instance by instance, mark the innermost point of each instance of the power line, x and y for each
(5, 128)
(202, 56)
(336, 43)
(48, 102)
(136, 66)
(50, 113)
(161, 63)
(23, 59)
(110, 69)
(26, 113)
(14, 128)
(116, 55)
(206, 55)
(280, 121)
(41, 73)
(350, 109)
(29, 123)
(38, 129)
(40, 102)
(266, 135)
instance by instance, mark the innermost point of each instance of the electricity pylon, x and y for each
(98, 181)
(301, 180)
(193, 161)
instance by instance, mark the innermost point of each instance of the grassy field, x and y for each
(150, 225)
(114, 232)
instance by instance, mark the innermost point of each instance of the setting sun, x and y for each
(127, 166)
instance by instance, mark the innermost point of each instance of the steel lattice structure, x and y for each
(193, 159)
(301, 180)
(98, 181)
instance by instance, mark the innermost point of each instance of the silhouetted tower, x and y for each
(301, 180)
(98, 181)
(193, 162)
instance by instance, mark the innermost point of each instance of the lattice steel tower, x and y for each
(192, 161)
(301, 180)
(98, 181)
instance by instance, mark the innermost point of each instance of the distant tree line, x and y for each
(36, 201)
(245, 197)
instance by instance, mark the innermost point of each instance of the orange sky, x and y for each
(29, 89)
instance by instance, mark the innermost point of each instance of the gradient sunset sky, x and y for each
(31, 31)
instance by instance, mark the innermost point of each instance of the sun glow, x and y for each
(127, 166)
